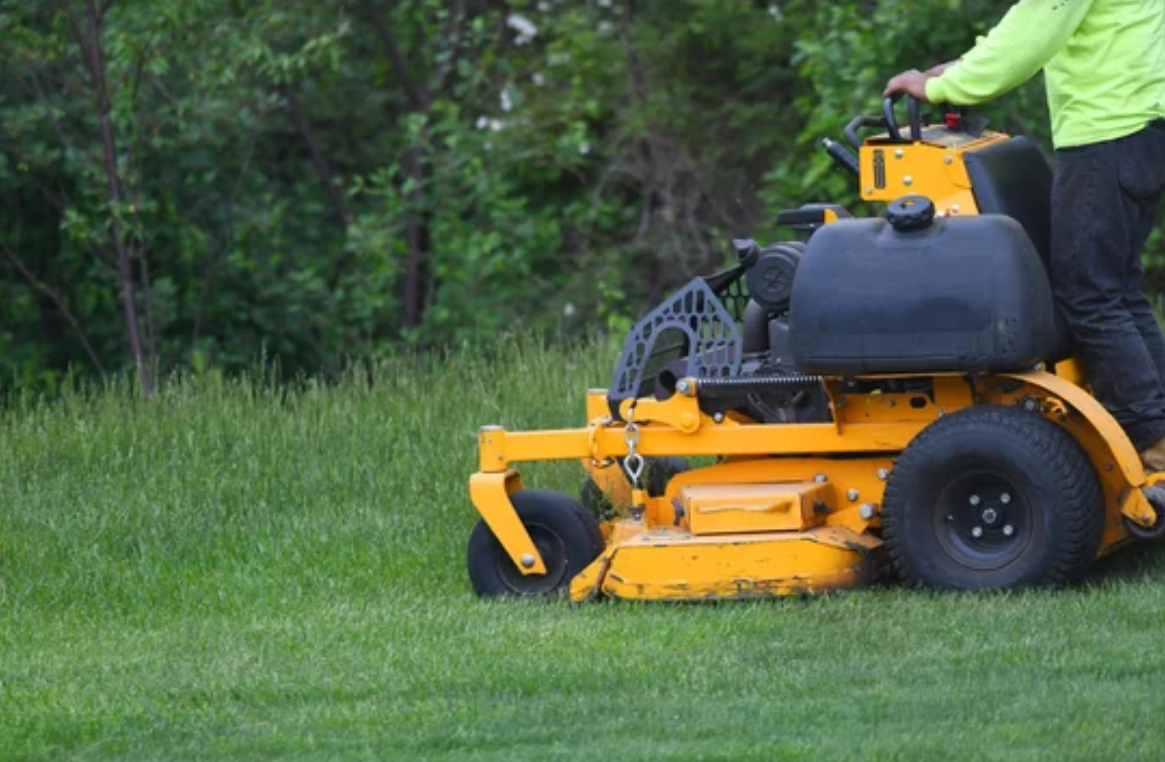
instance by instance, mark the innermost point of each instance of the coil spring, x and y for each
(741, 385)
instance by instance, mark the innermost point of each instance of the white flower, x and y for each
(523, 26)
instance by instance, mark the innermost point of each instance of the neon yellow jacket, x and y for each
(1103, 61)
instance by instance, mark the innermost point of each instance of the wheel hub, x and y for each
(553, 551)
(982, 521)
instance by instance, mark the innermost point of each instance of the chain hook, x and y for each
(633, 466)
(633, 463)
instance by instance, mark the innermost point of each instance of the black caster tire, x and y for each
(989, 498)
(657, 472)
(1155, 533)
(567, 536)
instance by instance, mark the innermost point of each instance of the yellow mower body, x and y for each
(784, 508)
(758, 525)
(935, 167)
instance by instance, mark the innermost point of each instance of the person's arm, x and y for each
(1029, 36)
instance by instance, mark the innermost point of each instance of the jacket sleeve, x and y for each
(1029, 36)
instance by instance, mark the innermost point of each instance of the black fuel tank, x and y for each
(962, 294)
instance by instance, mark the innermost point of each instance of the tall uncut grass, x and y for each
(237, 569)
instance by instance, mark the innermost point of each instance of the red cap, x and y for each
(954, 121)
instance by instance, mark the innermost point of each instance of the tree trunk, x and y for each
(415, 163)
(94, 59)
(416, 239)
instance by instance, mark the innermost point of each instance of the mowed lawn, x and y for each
(234, 571)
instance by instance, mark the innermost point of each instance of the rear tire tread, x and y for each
(1062, 457)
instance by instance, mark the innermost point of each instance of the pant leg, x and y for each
(1146, 321)
(1092, 237)
(1142, 178)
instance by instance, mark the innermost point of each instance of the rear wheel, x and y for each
(567, 537)
(992, 497)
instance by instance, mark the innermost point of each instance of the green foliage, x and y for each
(325, 180)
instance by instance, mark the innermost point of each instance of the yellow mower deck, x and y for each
(671, 564)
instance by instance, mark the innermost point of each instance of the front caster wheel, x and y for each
(992, 498)
(567, 537)
(1156, 497)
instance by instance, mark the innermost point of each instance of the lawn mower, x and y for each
(889, 396)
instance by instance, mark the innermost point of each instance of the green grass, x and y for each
(235, 572)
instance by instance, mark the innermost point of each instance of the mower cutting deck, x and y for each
(897, 393)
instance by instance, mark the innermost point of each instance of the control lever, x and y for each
(842, 155)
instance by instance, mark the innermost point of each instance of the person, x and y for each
(1104, 68)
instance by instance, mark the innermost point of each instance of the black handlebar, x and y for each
(860, 123)
(891, 122)
(887, 121)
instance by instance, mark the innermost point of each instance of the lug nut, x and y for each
(1005, 498)
(852, 495)
(975, 500)
(527, 561)
(977, 532)
(868, 511)
(1008, 530)
(883, 473)
(820, 478)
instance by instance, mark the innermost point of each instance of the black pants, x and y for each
(1104, 206)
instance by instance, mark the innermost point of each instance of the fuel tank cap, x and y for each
(910, 213)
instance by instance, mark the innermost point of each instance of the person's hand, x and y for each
(938, 71)
(911, 82)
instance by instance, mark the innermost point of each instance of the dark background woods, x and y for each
(198, 183)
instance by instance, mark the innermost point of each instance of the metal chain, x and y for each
(633, 463)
